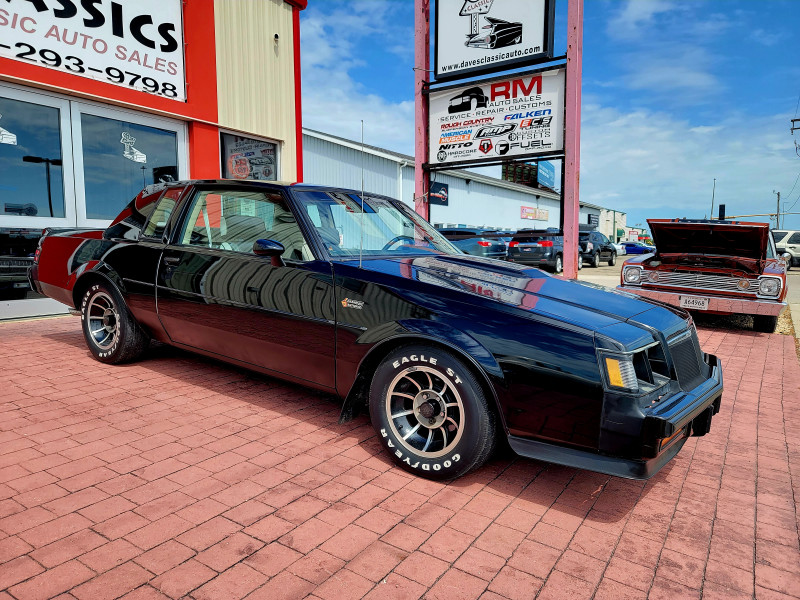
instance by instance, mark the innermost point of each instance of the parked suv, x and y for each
(597, 248)
(539, 248)
(478, 242)
(788, 242)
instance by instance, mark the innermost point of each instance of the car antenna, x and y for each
(361, 244)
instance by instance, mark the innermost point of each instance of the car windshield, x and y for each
(384, 228)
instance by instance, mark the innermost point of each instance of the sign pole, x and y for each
(421, 70)
(572, 137)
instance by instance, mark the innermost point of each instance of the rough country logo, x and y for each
(497, 34)
(486, 146)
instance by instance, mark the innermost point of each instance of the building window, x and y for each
(247, 158)
(119, 159)
(32, 182)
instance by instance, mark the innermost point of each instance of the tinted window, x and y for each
(246, 158)
(778, 235)
(795, 239)
(160, 217)
(30, 161)
(235, 219)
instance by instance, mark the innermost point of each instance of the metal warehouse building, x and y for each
(474, 200)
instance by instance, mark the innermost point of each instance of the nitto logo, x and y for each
(486, 146)
(495, 130)
(454, 146)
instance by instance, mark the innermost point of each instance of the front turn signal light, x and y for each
(621, 373)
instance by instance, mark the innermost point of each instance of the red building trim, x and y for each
(298, 102)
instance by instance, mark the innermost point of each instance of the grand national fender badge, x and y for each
(349, 303)
(486, 146)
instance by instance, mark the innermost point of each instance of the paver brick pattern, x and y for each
(180, 477)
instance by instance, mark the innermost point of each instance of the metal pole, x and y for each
(778, 212)
(421, 68)
(713, 189)
(47, 174)
(572, 137)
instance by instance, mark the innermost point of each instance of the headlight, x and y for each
(632, 275)
(620, 372)
(769, 286)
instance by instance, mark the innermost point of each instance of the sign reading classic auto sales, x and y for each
(480, 36)
(138, 44)
(518, 116)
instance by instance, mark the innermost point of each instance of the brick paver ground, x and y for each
(181, 477)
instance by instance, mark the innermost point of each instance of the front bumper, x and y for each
(716, 304)
(665, 429)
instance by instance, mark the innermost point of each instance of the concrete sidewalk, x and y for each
(181, 477)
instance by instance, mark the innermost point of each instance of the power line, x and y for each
(790, 192)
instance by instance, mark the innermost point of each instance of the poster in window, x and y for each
(246, 158)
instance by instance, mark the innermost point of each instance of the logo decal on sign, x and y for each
(486, 146)
(495, 130)
(497, 34)
(6, 137)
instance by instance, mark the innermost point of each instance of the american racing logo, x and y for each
(495, 130)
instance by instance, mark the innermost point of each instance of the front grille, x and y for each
(688, 359)
(702, 281)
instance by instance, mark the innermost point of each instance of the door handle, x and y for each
(172, 260)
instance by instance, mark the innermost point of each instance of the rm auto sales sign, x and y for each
(493, 120)
(481, 36)
(137, 45)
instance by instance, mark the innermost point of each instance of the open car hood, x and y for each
(722, 238)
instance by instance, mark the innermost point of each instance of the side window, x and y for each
(795, 239)
(158, 220)
(234, 220)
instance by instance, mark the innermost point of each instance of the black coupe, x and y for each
(359, 296)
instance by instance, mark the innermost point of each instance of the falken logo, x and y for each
(495, 130)
(348, 303)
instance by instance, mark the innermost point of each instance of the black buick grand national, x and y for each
(361, 297)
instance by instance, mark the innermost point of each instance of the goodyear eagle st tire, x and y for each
(112, 334)
(430, 413)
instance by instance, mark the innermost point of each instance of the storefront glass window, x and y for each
(31, 181)
(121, 158)
(246, 158)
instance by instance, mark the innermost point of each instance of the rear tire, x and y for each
(430, 413)
(112, 334)
(764, 323)
(613, 260)
(595, 260)
(559, 264)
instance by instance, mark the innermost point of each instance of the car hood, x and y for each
(745, 240)
(584, 304)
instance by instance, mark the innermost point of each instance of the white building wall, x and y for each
(481, 202)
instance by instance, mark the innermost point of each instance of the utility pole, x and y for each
(778, 211)
(422, 178)
(713, 190)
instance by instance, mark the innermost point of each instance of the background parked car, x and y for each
(597, 248)
(620, 249)
(788, 242)
(478, 242)
(539, 248)
(638, 248)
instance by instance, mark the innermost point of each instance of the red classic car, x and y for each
(719, 267)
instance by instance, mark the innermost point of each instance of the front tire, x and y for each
(430, 413)
(613, 260)
(111, 332)
(765, 323)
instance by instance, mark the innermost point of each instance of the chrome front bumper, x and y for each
(716, 304)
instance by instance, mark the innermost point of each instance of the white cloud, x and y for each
(333, 101)
(652, 165)
(635, 16)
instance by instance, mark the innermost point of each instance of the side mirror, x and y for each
(270, 248)
(787, 258)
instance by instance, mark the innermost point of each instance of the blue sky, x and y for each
(675, 94)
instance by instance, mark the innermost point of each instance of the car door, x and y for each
(216, 295)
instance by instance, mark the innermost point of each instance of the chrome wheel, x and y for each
(103, 320)
(425, 411)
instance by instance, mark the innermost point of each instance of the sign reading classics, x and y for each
(480, 36)
(138, 44)
(519, 116)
